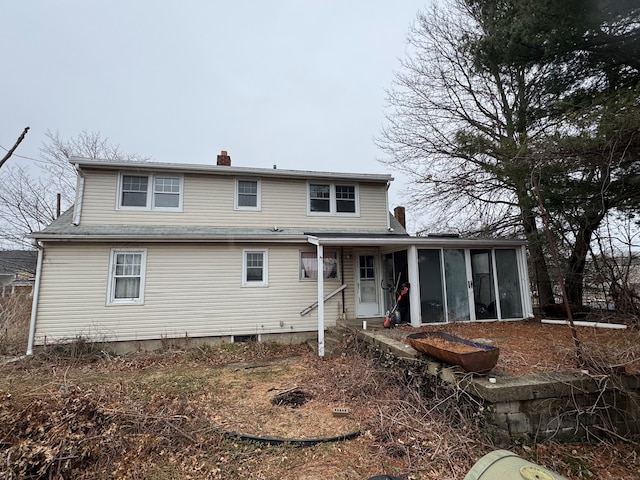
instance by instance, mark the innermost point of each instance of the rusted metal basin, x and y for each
(471, 356)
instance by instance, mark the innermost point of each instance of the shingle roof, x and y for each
(63, 228)
(14, 261)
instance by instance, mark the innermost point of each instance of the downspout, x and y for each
(386, 202)
(77, 208)
(344, 309)
(36, 295)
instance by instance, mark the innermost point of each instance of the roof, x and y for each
(210, 169)
(63, 229)
(14, 261)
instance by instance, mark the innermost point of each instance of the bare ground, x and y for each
(77, 414)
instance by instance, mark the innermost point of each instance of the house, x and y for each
(17, 270)
(155, 251)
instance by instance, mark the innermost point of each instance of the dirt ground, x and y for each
(87, 414)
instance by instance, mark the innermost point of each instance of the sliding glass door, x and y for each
(458, 284)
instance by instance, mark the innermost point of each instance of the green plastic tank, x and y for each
(505, 465)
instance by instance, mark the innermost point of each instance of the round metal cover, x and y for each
(533, 473)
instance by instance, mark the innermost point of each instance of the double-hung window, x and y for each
(247, 194)
(150, 192)
(255, 268)
(166, 192)
(309, 265)
(333, 199)
(126, 277)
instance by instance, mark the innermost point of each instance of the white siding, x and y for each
(209, 200)
(191, 289)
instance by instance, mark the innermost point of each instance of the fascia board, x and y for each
(85, 163)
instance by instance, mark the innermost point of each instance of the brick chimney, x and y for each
(224, 159)
(398, 212)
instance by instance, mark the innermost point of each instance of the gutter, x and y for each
(418, 241)
(53, 237)
(36, 295)
(77, 208)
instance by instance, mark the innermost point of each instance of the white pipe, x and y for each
(581, 323)
(320, 254)
(36, 295)
(413, 276)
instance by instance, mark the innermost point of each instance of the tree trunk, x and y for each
(574, 276)
(536, 252)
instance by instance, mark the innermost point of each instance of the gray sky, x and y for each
(297, 83)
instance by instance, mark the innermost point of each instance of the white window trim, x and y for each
(111, 300)
(302, 278)
(332, 200)
(150, 204)
(258, 206)
(265, 268)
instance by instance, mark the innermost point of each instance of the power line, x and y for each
(22, 156)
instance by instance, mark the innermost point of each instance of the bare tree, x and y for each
(464, 133)
(29, 197)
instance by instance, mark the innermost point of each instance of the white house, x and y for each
(155, 251)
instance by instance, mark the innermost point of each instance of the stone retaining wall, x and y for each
(562, 406)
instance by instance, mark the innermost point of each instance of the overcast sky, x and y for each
(296, 83)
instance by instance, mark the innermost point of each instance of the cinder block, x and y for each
(518, 423)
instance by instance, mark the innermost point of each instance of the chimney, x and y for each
(398, 212)
(224, 159)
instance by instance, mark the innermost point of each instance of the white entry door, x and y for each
(367, 275)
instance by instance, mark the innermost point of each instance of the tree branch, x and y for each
(13, 149)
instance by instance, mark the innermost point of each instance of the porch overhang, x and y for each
(396, 242)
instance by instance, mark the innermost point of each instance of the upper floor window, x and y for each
(150, 192)
(333, 199)
(126, 278)
(247, 195)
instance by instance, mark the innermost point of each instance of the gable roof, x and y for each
(89, 163)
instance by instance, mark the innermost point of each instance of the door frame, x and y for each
(378, 273)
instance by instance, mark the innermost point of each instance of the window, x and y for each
(333, 199)
(165, 194)
(319, 198)
(309, 265)
(126, 279)
(247, 195)
(254, 268)
(345, 199)
(134, 191)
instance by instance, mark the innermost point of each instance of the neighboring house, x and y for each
(156, 251)
(17, 270)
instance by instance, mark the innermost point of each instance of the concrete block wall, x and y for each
(562, 406)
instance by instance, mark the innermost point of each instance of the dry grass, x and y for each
(15, 314)
(164, 416)
(79, 412)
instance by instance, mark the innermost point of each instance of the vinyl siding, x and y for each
(209, 200)
(191, 289)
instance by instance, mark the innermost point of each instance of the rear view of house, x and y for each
(155, 251)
